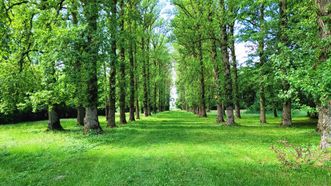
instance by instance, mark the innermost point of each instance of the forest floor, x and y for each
(171, 148)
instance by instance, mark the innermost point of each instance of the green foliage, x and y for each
(16, 87)
(47, 49)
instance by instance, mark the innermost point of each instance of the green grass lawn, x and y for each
(171, 148)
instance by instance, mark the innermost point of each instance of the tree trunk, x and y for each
(286, 117)
(202, 83)
(136, 82)
(80, 115)
(132, 59)
(161, 87)
(112, 78)
(54, 119)
(287, 114)
(263, 118)
(122, 70)
(132, 78)
(227, 71)
(324, 22)
(145, 100)
(235, 72)
(148, 78)
(275, 112)
(220, 116)
(137, 109)
(79, 91)
(155, 97)
(91, 121)
(324, 123)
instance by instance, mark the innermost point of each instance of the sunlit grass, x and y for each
(172, 148)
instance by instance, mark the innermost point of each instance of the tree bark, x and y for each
(137, 109)
(324, 119)
(220, 116)
(235, 72)
(132, 78)
(155, 96)
(78, 76)
(263, 118)
(203, 112)
(122, 70)
(148, 77)
(80, 115)
(220, 113)
(54, 119)
(227, 71)
(136, 82)
(287, 113)
(91, 121)
(159, 89)
(275, 112)
(286, 117)
(112, 78)
(145, 100)
(324, 123)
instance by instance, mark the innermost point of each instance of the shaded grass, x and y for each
(171, 148)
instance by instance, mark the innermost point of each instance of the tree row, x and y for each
(91, 55)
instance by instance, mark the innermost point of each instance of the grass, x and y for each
(171, 148)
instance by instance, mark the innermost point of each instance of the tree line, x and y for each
(288, 67)
(90, 55)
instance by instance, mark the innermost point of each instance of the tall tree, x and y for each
(91, 121)
(202, 109)
(261, 41)
(233, 11)
(283, 26)
(227, 69)
(132, 62)
(324, 23)
(122, 67)
(113, 64)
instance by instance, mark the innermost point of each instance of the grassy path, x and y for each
(172, 148)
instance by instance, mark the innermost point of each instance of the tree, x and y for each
(113, 64)
(262, 58)
(324, 23)
(131, 24)
(233, 10)
(91, 121)
(283, 23)
(227, 71)
(122, 67)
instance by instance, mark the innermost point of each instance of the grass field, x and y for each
(171, 148)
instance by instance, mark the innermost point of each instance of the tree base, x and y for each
(324, 125)
(91, 121)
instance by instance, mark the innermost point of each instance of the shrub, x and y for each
(295, 156)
